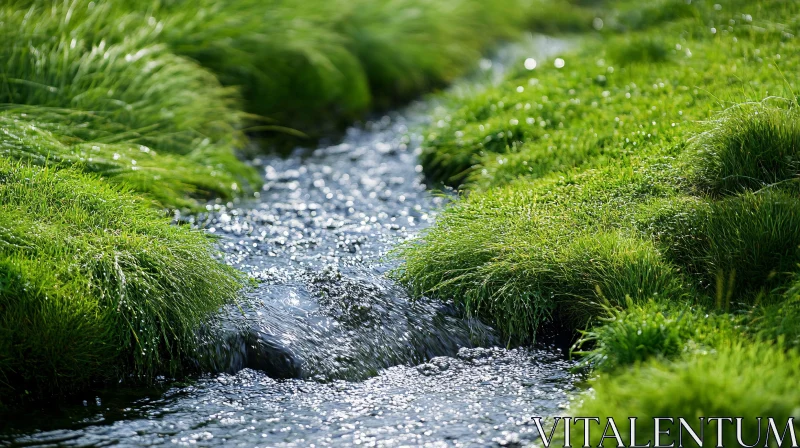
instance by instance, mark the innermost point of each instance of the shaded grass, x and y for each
(95, 284)
(639, 51)
(148, 73)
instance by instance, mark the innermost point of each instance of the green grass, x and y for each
(638, 333)
(153, 120)
(750, 147)
(518, 253)
(737, 380)
(317, 65)
(95, 284)
(609, 148)
(171, 180)
(643, 190)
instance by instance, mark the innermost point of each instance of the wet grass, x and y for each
(95, 284)
(172, 180)
(642, 189)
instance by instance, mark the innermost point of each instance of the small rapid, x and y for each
(315, 242)
(325, 349)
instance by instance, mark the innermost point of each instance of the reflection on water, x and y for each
(479, 397)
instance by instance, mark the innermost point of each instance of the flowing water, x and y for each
(325, 350)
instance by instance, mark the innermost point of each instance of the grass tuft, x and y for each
(637, 333)
(95, 284)
(750, 147)
(740, 247)
(515, 255)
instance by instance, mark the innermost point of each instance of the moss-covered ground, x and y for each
(112, 110)
(641, 190)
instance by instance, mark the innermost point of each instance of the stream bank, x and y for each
(325, 350)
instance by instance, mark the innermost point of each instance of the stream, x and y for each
(325, 349)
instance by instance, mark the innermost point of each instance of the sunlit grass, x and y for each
(752, 146)
(519, 253)
(644, 186)
(95, 284)
(737, 380)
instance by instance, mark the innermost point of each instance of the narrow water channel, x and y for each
(325, 350)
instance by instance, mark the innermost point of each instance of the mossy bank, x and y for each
(641, 190)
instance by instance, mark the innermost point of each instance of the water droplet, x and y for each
(530, 63)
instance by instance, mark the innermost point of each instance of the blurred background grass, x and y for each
(187, 80)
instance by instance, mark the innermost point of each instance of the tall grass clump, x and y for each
(749, 147)
(740, 247)
(517, 255)
(95, 285)
(636, 334)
